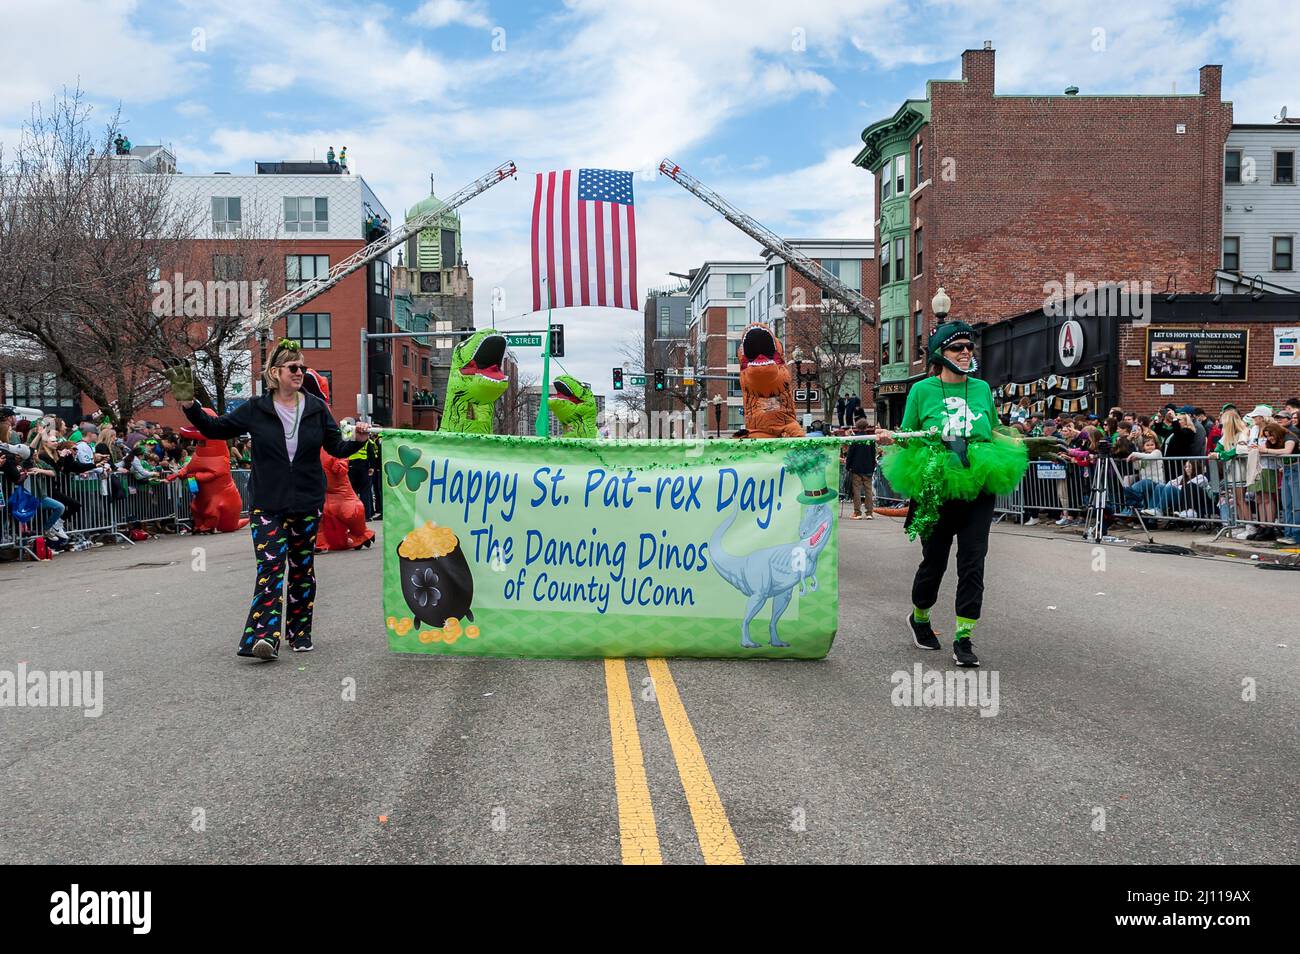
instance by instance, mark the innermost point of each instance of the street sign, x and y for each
(637, 380)
(688, 382)
(524, 341)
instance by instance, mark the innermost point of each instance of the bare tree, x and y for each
(81, 240)
(635, 361)
(510, 409)
(830, 336)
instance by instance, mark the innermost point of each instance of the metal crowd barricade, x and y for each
(1184, 490)
(1056, 487)
(1271, 499)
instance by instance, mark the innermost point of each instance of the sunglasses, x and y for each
(961, 346)
(294, 368)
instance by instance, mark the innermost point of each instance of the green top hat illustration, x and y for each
(809, 465)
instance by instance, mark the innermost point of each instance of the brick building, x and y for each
(997, 197)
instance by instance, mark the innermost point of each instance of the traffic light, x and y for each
(557, 341)
(660, 383)
(618, 379)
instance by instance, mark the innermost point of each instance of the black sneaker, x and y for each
(265, 649)
(301, 645)
(923, 636)
(963, 653)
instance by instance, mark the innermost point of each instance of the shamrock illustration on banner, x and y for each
(406, 468)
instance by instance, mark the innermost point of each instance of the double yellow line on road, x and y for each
(639, 837)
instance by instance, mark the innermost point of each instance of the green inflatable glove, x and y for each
(182, 381)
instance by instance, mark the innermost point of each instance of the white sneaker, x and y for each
(1063, 522)
(1286, 541)
(1031, 522)
(1187, 514)
(1148, 512)
(56, 528)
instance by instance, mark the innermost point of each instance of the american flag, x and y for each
(584, 239)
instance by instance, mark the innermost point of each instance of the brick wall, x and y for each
(1103, 187)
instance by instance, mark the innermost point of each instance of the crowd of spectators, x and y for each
(1178, 463)
(51, 460)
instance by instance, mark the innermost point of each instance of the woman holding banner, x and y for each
(288, 426)
(952, 479)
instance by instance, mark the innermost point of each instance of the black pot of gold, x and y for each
(436, 582)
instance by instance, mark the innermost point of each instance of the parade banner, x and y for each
(521, 546)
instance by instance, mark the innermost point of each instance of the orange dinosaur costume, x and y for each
(343, 521)
(215, 508)
(765, 384)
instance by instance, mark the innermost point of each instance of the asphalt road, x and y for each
(1120, 700)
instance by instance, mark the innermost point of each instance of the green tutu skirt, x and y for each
(929, 473)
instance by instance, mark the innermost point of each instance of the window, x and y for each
(916, 241)
(383, 278)
(735, 418)
(1282, 248)
(39, 389)
(447, 243)
(917, 324)
(306, 214)
(424, 367)
(886, 182)
(778, 284)
(226, 213)
(847, 270)
(884, 342)
(300, 269)
(227, 268)
(900, 257)
(733, 387)
(900, 328)
(736, 319)
(1231, 253)
(737, 285)
(918, 174)
(310, 329)
(1284, 167)
(665, 321)
(406, 356)
(900, 175)
(884, 263)
(852, 341)
(406, 392)
(1232, 167)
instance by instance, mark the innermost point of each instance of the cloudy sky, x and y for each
(763, 100)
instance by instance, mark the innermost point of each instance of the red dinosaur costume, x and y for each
(215, 508)
(765, 384)
(343, 522)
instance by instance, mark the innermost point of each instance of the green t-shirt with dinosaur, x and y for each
(958, 410)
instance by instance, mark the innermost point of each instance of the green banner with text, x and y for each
(524, 546)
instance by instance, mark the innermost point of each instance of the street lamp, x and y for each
(941, 304)
(717, 414)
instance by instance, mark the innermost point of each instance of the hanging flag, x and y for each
(584, 239)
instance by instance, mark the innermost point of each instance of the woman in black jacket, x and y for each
(288, 426)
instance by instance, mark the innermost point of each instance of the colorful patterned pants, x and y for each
(281, 539)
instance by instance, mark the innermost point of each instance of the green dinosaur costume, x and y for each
(575, 406)
(475, 382)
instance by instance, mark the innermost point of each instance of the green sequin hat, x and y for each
(809, 465)
(945, 335)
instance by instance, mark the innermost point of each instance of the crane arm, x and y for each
(295, 299)
(765, 237)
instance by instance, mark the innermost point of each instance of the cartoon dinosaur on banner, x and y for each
(475, 383)
(766, 386)
(575, 406)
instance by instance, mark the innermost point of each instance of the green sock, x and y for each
(964, 627)
(921, 615)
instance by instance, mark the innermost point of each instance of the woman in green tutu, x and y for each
(952, 476)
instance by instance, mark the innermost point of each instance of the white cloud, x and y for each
(269, 77)
(439, 13)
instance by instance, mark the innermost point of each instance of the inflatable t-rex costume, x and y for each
(343, 520)
(575, 406)
(765, 384)
(475, 382)
(215, 508)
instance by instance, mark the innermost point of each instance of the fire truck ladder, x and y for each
(270, 313)
(765, 237)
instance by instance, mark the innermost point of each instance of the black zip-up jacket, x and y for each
(279, 485)
(861, 458)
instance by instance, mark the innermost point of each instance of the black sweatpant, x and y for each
(969, 522)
